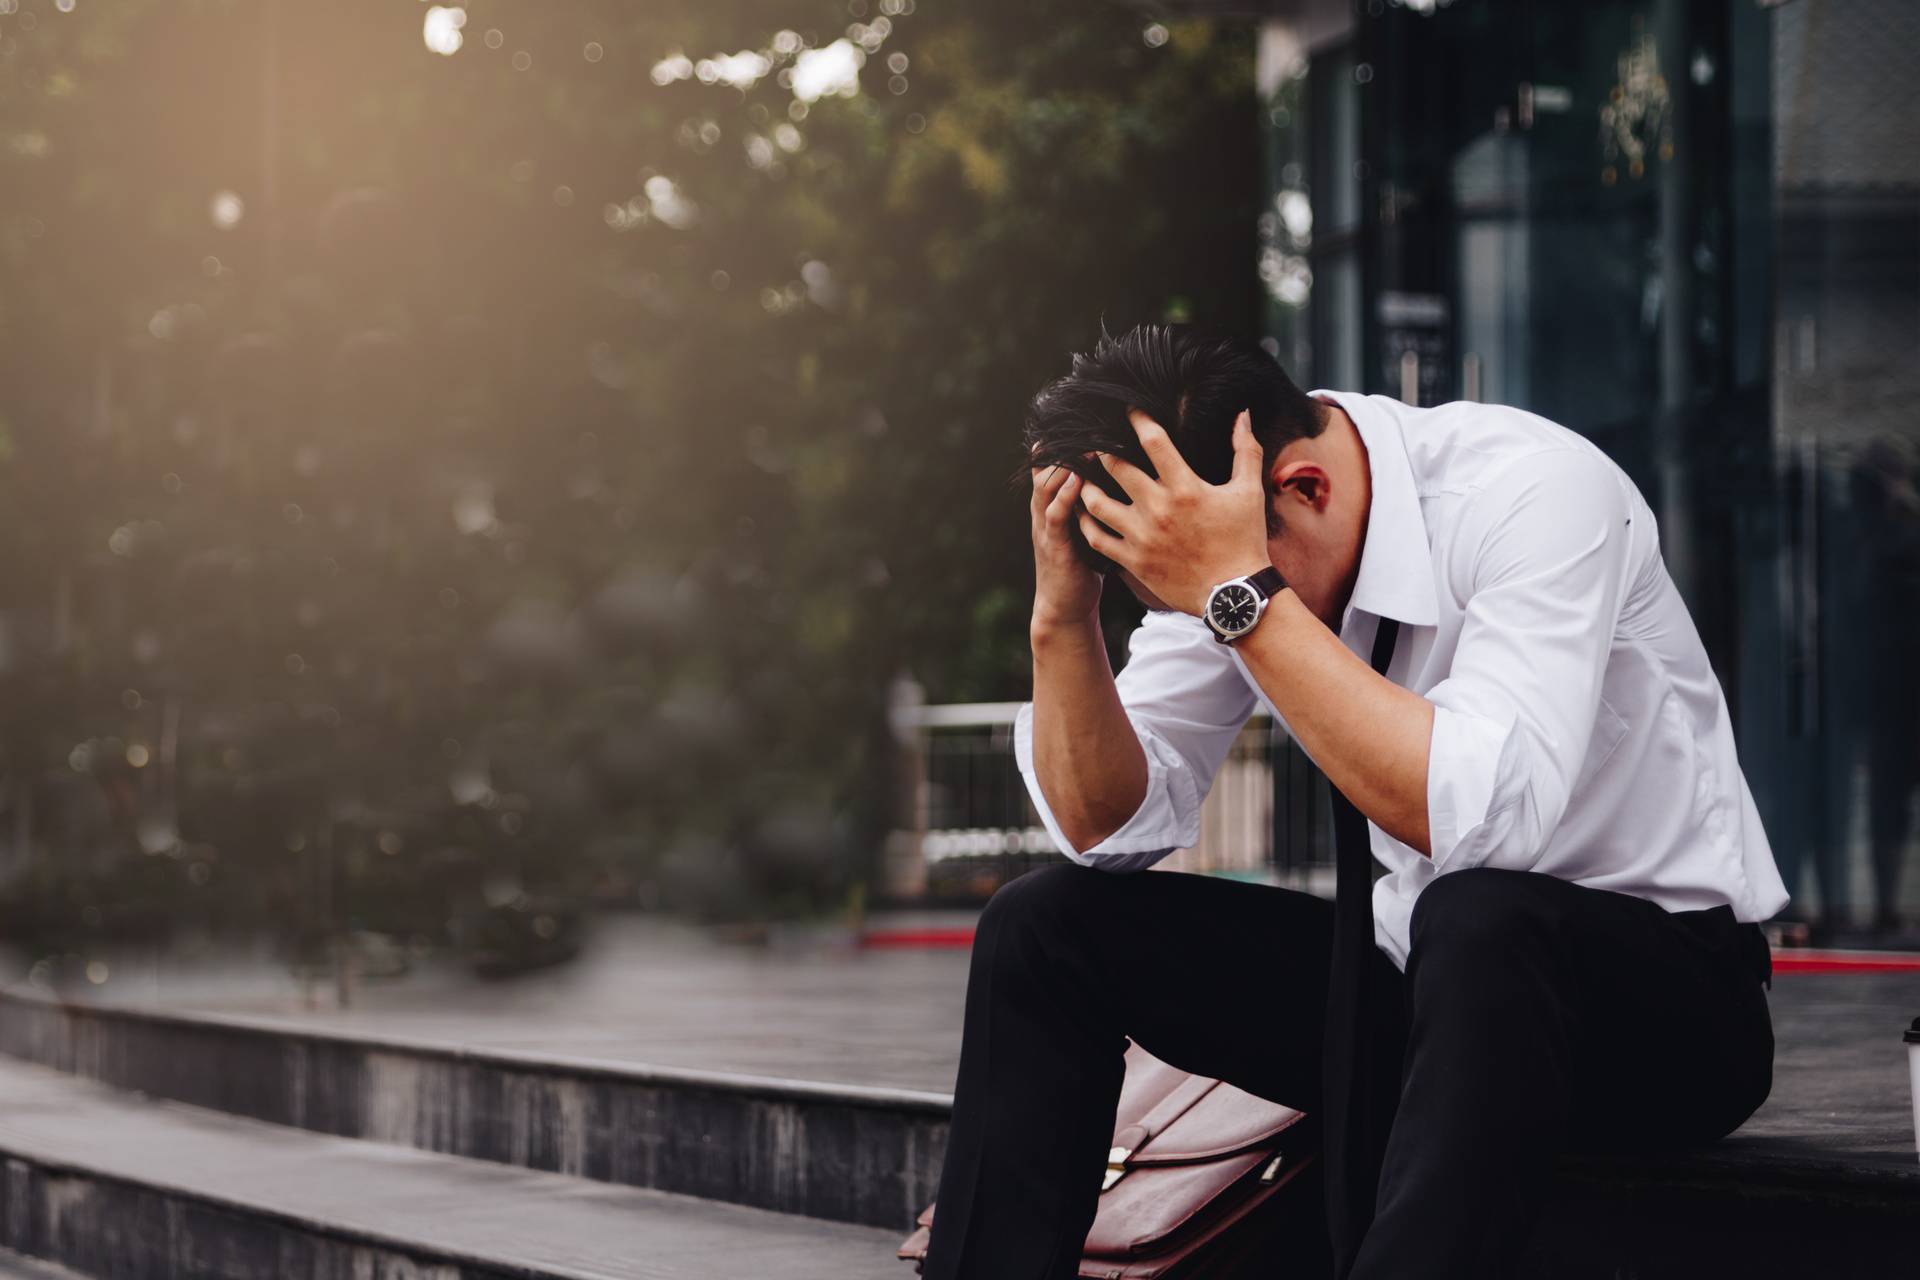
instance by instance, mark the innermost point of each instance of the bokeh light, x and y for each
(442, 29)
(226, 209)
(833, 71)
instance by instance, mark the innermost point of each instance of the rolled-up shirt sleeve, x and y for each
(1543, 563)
(1187, 701)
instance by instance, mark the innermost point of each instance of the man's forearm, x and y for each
(1367, 734)
(1090, 765)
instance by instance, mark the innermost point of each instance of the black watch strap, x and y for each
(1267, 582)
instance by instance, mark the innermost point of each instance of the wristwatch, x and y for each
(1235, 606)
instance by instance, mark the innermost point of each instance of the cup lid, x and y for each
(1913, 1033)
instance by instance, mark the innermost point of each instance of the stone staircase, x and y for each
(113, 1185)
(146, 1144)
(845, 1153)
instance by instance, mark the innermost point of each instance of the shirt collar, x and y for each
(1396, 564)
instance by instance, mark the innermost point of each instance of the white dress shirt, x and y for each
(1578, 729)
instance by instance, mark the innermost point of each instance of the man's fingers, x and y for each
(1046, 483)
(1048, 479)
(1109, 511)
(1132, 480)
(1246, 450)
(1100, 540)
(1159, 447)
(1060, 508)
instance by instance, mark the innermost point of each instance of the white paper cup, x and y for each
(1913, 1072)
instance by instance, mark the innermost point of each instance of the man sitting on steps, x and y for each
(1563, 946)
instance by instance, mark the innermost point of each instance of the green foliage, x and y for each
(530, 485)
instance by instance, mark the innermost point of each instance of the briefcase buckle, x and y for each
(1116, 1167)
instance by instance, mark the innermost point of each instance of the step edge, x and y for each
(878, 1097)
(343, 1232)
(43, 1268)
(349, 1232)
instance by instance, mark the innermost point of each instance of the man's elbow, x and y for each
(1087, 813)
(1416, 832)
(1092, 825)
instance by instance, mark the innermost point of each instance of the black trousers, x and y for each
(1537, 1017)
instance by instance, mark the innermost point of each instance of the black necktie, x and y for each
(1357, 1101)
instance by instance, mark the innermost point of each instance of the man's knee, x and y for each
(1035, 903)
(1481, 912)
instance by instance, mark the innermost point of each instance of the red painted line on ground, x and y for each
(1794, 960)
(891, 938)
(1790, 960)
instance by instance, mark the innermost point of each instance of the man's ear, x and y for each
(1299, 481)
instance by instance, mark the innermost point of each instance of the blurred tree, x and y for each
(457, 458)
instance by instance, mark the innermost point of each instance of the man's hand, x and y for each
(1181, 536)
(1065, 591)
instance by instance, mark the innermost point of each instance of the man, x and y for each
(1565, 954)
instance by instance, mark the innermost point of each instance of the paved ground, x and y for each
(1840, 1086)
(807, 1008)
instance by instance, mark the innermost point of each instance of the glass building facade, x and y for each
(1690, 231)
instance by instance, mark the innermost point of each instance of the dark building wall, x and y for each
(1692, 232)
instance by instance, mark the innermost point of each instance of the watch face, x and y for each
(1233, 608)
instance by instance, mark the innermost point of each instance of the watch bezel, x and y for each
(1247, 585)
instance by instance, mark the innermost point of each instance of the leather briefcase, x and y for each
(1191, 1157)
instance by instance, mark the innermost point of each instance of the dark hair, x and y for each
(1192, 383)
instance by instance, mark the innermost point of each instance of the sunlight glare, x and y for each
(442, 29)
(833, 71)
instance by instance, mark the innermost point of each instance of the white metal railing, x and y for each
(969, 824)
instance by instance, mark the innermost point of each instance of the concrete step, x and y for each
(15, 1267)
(124, 1188)
(846, 1153)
